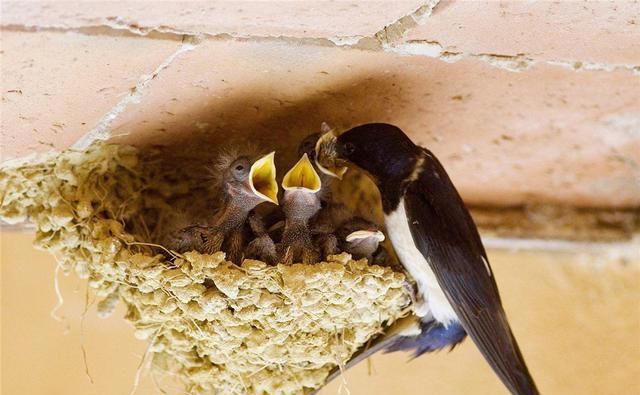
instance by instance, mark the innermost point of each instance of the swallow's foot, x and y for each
(297, 252)
(262, 248)
(327, 244)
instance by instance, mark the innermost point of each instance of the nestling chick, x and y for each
(244, 185)
(301, 185)
(262, 247)
(332, 213)
(362, 238)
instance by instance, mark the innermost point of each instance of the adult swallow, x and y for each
(244, 185)
(438, 243)
(300, 202)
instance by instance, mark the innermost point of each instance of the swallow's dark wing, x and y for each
(447, 237)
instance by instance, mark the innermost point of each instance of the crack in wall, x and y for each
(167, 33)
(103, 29)
(118, 26)
(514, 63)
(388, 39)
(396, 31)
(102, 130)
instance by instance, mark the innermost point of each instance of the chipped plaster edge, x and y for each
(513, 63)
(397, 30)
(388, 39)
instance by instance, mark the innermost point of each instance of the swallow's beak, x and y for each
(327, 157)
(302, 176)
(262, 178)
(365, 234)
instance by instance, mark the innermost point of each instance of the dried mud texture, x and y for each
(219, 327)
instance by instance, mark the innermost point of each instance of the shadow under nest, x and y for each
(218, 326)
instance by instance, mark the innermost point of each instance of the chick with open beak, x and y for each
(244, 185)
(324, 223)
(301, 186)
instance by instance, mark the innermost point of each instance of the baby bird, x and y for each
(244, 185)
(332, 213)
(262, 246)
(301, 185)
(362, 238)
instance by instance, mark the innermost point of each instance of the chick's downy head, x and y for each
(250, 182)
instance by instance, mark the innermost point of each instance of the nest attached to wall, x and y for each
(219, 327)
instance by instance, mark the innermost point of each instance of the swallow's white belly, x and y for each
(431, 299)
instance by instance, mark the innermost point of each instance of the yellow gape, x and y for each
(262, 178)
(302, 176)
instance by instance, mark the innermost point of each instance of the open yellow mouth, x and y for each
(365, 234)
(326, 156)
(302, 176)
(262, 178)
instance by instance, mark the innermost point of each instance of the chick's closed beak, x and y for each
(262, 178)
(302, 176)
(365, 234)
(327, 156)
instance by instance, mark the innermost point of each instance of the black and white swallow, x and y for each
(438, 243)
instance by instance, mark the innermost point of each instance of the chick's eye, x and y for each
(239, 170)
(349, 148)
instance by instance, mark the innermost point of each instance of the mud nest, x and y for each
(219, 327)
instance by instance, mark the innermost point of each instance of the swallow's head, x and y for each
(251, 182)
(381, 150)
(301, 186)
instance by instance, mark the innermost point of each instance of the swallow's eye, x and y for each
(349, 148)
